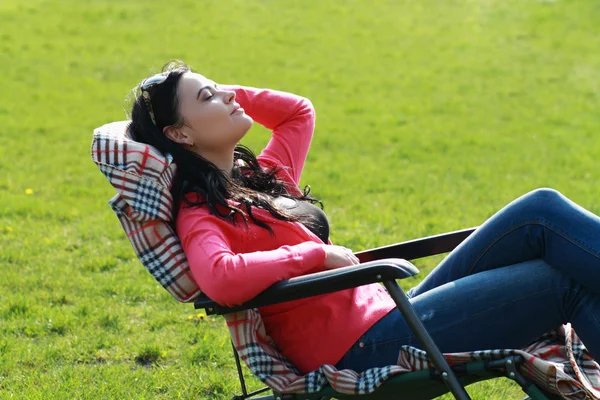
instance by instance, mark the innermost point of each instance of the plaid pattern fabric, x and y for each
(557, 362)
(143, 178)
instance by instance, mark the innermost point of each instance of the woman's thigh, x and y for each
(507, 307)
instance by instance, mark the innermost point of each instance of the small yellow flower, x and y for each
(28, 191)
(8, 229)
(201, 316)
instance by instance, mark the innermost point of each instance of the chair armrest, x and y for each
(319, 283)
(418, 248)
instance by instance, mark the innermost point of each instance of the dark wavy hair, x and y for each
(248, 186)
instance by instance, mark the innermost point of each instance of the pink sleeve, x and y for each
(230, 278)
(290, 117)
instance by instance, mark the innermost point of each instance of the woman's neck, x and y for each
(223, 161)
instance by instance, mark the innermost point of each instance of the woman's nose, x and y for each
(229, 96)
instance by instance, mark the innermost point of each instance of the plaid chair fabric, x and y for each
(142, 176)
(558, 362)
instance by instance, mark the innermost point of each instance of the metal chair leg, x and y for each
(430, 347)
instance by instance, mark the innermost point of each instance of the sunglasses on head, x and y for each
(146, 85)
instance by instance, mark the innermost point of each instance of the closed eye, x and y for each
(210, 91)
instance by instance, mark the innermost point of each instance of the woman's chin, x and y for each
(244, 129)
(246, 121)
(247, 118)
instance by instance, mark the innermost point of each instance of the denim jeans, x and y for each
(530, 268)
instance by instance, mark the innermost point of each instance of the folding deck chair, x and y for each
(143, 178)
(386, 265)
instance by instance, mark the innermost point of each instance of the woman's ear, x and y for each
(177, 135)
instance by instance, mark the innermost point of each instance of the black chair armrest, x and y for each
(388, 258)
(417, 248)
(319, 283)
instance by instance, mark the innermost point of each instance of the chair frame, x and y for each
(382, 265)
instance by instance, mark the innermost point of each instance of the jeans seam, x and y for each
(531, 222)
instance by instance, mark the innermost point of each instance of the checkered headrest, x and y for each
(141, 174)
(143, 177)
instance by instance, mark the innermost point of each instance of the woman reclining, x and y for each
(245, 225)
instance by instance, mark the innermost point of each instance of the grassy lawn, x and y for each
(431, 116)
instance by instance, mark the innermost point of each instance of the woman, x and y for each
(244, 225)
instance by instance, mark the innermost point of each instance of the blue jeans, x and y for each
(530, 268)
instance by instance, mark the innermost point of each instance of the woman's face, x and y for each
(213, 121)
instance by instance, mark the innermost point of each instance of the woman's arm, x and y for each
(229, 278)
(290, 117)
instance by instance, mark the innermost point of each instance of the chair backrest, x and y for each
(143, 177)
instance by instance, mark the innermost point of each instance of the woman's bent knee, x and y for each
(544, 198)
(540, 203)
(544, 194)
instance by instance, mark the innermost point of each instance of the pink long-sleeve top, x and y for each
(233, 264)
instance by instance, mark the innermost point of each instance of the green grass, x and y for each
(431, 116)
